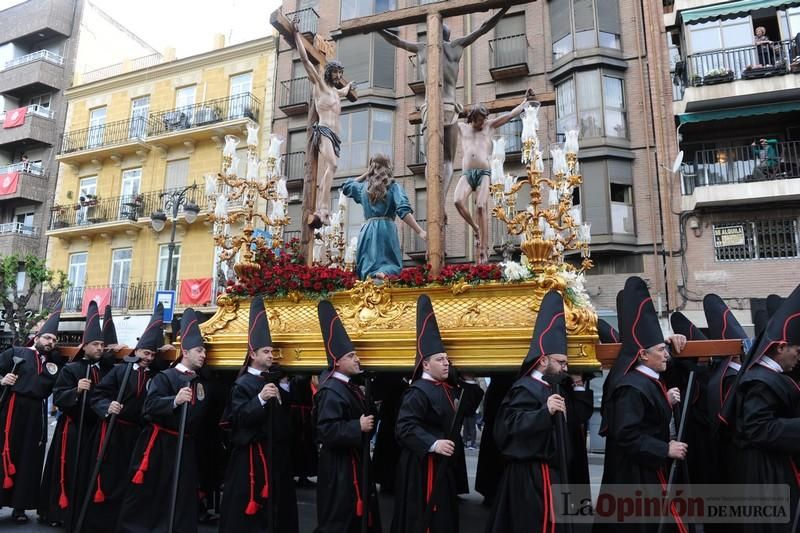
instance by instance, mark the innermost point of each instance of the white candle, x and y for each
(509, 183)
(277, 211)
(221, 211)
(539, 165)
(586, 232)
(231, 170)
(335, 219)
(252, 167)
(317, 253)
(499, 149)
(231, 141)
(350, 253)
(252, 134)
(497, 172)
(211, 184)
(282, 191)
(530, 121)
(559, 161)
(571, 144)
(342, 203)
(275, 146)
(576, 214)
(552, 198)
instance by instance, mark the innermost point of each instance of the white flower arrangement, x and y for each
(513, 271)
(575, 281)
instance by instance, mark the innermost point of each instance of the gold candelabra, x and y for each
(549, 230)
(331, 247)
(226, 190)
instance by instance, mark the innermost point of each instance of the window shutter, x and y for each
(608, 16)
(512, 25)
(559, 18)
(353, 53)
(584, 15)
(383, 63)
(177, 174)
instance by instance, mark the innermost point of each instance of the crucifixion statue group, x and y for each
(439, 59)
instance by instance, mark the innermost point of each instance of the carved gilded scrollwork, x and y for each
(226, 313)
(472, 318)
(371, 306)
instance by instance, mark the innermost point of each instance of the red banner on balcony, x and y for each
(8, 183)
(15, 117)
(102, 296)
(195, 291)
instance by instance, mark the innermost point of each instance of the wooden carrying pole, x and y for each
(607, 353)
(434, 147)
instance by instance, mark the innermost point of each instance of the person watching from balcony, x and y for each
(766, 151)
(763, 47)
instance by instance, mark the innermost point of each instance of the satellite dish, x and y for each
(676, 165)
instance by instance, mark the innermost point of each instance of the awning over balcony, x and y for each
(722, 114)
(731, 9)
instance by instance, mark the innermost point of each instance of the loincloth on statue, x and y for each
(318, 131)
(475, 176)
(450, 113)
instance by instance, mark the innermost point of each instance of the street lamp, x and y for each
(174, 200)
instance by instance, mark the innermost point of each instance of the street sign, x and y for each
(728, 236)
(167, 298)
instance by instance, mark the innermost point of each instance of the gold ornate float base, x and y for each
(484, 327)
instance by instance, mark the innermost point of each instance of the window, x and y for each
(131, 182)
(241, 85)
(622, 220)
(42, 101)
(595, 109)
(163, 261)
(793, 17)
(76, 274)
(177, 174)
(720, 34)
(140, 107)
(580, 24)
(184, 96)
(87, 189)
(120, 276)
(367, 58)
(361, 8)
(361, 140)
(97, 127)
(758, 239)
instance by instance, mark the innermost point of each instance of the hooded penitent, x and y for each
(258, 335)
(109, 330)
(190, 330)
(549, 332)
(429, 340)
(153, 336)
(684, 326)
(783, 326)
(334, 336)
(606, 332)
(92, 330)
(51, 324)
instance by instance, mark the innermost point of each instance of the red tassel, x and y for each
(99, 496)
(359, 508)
(8, 482)
(11, 469)
(138, 478)
(252, 508)
(62, 501)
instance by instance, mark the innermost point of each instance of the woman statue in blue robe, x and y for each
(379, 254)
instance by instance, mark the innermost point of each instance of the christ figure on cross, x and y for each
(451, 57)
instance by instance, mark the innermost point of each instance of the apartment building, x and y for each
(736, 92)
(599, 57)
(133, 140)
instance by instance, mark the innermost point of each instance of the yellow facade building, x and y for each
(133, 140)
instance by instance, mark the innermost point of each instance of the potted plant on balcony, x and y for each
(718, 75)
(58, 213)
(89, 200)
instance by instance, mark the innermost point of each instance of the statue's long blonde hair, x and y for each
(379, 177)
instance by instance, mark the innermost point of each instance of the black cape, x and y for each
(153, 459)
(26, 418)
(56, 501)
(338, 407)
(426, 415)
(525, 435)
(490, 462)
(253, 425)
(389, 390)
(304, 448)
(108, 490)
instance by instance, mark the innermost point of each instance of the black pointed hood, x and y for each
(684, 326)
(773, 304)
(606, 332)
(638, 327)
(722, 324)
(51, 324)
(92, 330)
(153, 336)
(335, 338)
(190, 330)
(549, 332)
(258, 336)
(109, 330)
(784, 326)
(619, 304)
(429, 340)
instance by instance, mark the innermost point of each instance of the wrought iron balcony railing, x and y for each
(308, 20)
(745, 62)
(295, 166)
(104, 135)
(238, 106)
(295, 92)
(508, 51)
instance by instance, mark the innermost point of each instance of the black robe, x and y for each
(389, 390)
(637, 446)
(721, 463)
(108, 489)
(490, 462)
(426, 415)
(24, 414)
(145, 507)
(767, 436)
(338, 407)
(525, 435)
(57, 503)
(304, 448)
(258, 469)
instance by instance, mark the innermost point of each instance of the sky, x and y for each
(188, 25)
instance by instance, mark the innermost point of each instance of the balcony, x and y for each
(295, 96)
(295, 169)
(737, 175)
(40, 71)
(37, 20)
(307, 23)
(508, 57)
(415, 151)
(31, 184)
(92, 217)
(416, 81)
(203, 121)
(17, 238)
(137, 296)
(413, 246)
(96, 143)
(39, 127)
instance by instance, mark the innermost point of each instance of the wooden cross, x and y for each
(319, 52)
(432, 15)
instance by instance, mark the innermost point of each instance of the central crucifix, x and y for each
(438, 114)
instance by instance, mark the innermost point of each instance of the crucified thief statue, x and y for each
(451, 57)
(476, 147)
(326, 95)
